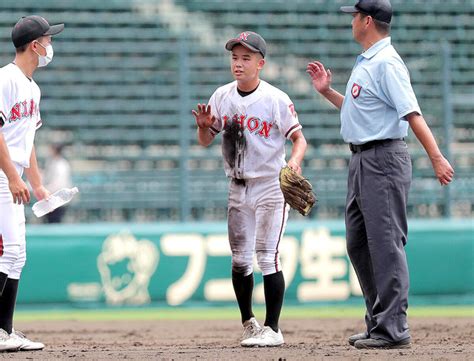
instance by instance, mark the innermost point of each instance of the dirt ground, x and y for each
(315, 339)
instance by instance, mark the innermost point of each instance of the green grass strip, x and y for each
(225, 313)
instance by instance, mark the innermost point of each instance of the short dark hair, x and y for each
(22, 48)
(382, 28)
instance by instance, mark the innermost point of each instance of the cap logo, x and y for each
(243, 36)
(356, 88)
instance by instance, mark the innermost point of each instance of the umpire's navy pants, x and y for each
(376, 225)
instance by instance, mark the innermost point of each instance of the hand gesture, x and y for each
(19, 191)
(203, 116)
(321, 77)
(443, 170)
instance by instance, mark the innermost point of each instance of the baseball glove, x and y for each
(297, 190)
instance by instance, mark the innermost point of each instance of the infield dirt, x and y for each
(312, 339)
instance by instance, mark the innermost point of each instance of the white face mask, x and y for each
(46, 59)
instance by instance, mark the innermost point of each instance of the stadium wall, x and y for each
(181, 264)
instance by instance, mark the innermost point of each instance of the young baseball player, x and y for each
(19, 119)
(255, 119)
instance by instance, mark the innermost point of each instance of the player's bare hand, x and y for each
(41, 193)
(443, 170)
(295, 166)
(19, 191)
(203, 116)
(320, 76)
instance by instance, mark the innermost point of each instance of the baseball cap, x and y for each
(32, 27)
(252, 41)
(379, 9)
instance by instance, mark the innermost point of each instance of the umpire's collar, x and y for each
(374, 49)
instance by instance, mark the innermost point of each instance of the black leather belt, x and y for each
(239, 181)
(357, 148)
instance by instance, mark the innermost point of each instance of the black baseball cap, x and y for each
(252, 41)
(32, 27)
(379, 9)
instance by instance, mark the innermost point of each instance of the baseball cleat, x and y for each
(251, 329)
(265, 338)
(382, 344)
(26, 344)
(360, 336)
(8, 343)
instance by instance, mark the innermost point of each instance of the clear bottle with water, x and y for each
(55, 200)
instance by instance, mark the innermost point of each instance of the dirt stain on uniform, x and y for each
(233, 145)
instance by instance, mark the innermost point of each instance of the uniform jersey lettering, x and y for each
(15, 113)
(265, 131)
(252, 124)
(266, 117)
(24, 109)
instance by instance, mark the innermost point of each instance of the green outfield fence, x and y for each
(188, 264)
(127, 73)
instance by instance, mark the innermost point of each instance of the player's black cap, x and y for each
(32, 27)
(252, 41)
(379, 9)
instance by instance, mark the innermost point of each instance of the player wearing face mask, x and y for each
(44, 60)
(19, 119)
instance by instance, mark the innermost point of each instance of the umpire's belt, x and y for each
(357, 148)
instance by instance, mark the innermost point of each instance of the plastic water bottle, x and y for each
(55, 200)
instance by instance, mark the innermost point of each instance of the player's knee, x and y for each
(17, 268)
(11, 254)
(242, 263)
(268, 262)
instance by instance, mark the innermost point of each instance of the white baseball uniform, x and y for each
(19, 119)
(257, 212)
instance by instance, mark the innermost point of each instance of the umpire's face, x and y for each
(360, 24)
(245, 64)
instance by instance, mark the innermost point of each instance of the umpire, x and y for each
(378, 106)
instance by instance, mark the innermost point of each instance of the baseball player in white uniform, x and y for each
(255, 119)
(19, 119)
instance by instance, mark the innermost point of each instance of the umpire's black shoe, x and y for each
(360, 336)
(382, 344)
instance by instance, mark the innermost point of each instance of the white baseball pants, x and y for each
(257, 215)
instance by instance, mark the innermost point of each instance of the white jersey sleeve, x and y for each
(286, 116)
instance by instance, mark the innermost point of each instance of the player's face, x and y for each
(245, 65)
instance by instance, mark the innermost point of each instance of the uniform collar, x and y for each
(378, 46)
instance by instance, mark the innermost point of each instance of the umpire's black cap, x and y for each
(252, 41)
(379, 9)
(32, 27)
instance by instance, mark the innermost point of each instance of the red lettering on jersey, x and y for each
(15, 113)
(252, 124)
(265, 131)
(32, 107)
(241, 120)
(25, 109)
(225, 119)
